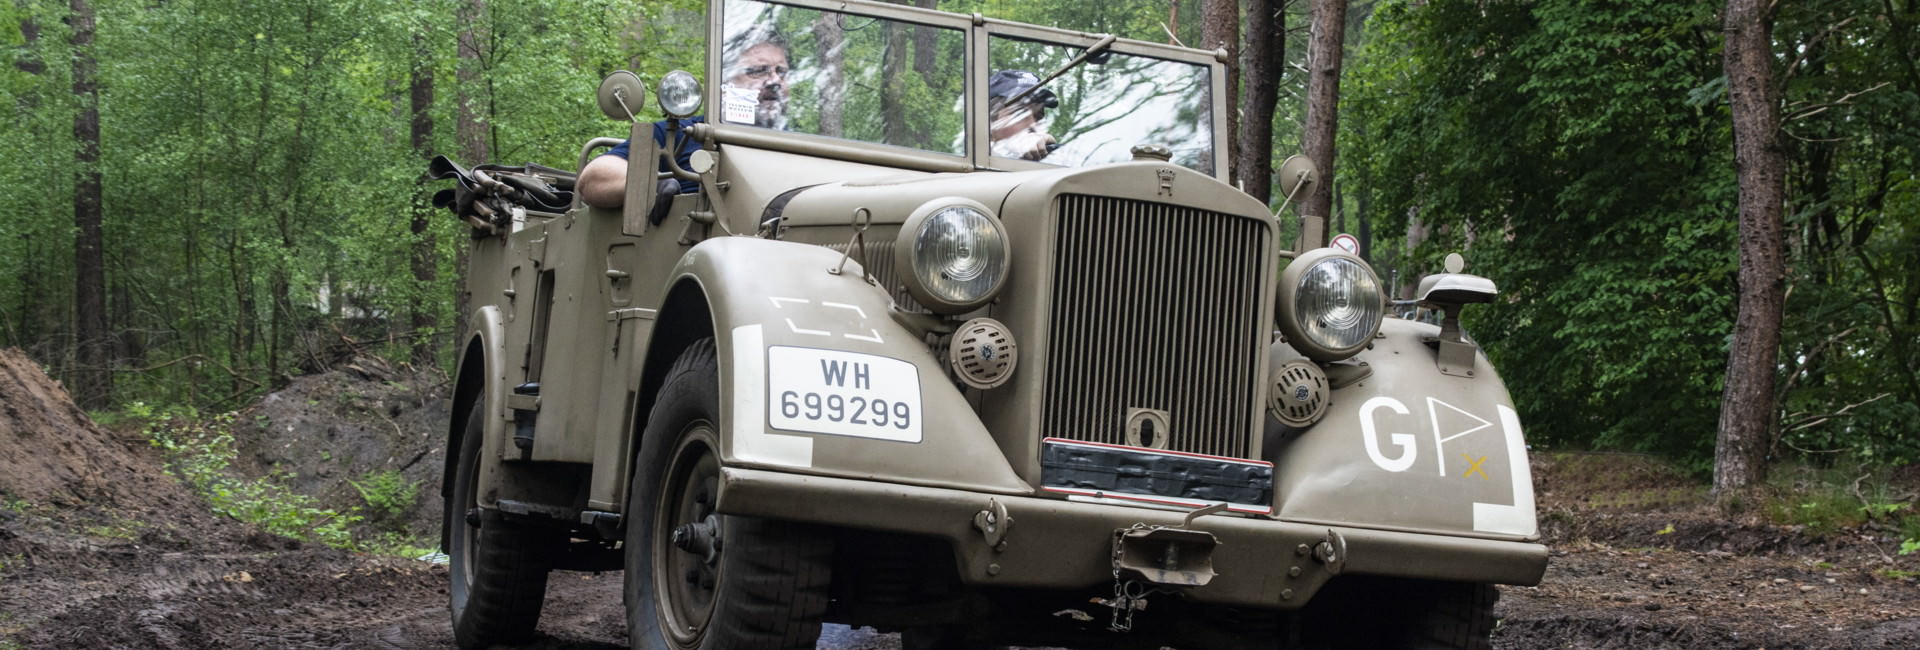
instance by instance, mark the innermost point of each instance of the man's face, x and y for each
(1009, 121)
(763, 68)
(1016, 133)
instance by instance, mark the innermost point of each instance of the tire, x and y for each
(763, 584)
(497, 569)
(1450, 615)
(1371, 612)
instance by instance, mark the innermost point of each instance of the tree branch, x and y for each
(1842, 101)
(1816, 420)
(1807, 50)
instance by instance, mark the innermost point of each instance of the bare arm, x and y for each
(603, 182)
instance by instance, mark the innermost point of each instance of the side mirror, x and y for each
(1297, 174)
(622, 95)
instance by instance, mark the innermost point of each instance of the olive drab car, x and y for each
(844, 355)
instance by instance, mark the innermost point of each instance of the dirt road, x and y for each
(101, 549)
(66, 592)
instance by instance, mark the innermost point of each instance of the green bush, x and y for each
(388, 494)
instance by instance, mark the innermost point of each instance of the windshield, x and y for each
(1103, 109)
(902, 83)
(843, 76)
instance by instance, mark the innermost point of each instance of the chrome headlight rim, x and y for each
(1311, 341)
(918, 270)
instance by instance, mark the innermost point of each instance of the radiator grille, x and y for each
(1155, 306)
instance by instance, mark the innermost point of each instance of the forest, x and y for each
(203, 199)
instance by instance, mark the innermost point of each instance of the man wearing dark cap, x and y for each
(1014, 129)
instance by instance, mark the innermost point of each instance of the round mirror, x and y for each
(1296, 176)
(679, 94)
(621, 93)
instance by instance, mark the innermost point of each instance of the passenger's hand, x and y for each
(1026, 145)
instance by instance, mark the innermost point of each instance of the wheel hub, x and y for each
(701, 538)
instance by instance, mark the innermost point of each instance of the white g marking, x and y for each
(1372, 439)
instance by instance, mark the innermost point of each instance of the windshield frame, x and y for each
(978, 32)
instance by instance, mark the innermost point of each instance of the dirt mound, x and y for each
(324, 432)
(52, 453)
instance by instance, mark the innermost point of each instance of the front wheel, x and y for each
(498, 569)
(696, 578)
(1374, 612)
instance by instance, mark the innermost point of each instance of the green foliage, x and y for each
(1580, 155)
(259, 174)
(1542, 140)
(200, 452)
(388, 495)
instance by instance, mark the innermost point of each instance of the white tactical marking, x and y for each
(751, 442)
(1439, 443)
(875, 337)
(1372, 439)
(1516, 519)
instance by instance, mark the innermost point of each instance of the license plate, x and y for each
(842, 393)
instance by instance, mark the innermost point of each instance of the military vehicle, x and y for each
(841, 357)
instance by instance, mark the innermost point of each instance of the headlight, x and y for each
(679, 94)
(954, 255)
(1330, 304)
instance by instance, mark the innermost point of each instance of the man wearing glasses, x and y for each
(755, 92)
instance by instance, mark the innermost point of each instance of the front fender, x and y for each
(1409, 448)
(773, 302)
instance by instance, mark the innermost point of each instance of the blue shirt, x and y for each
(684, 157)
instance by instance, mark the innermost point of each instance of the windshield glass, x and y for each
(1095, 113)
(853, 77)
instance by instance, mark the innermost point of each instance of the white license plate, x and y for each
(843, 393)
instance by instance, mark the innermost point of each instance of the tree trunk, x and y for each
(1265, 54)
(1173, 22)
(470, 125)
(893, 110)
(1323, 101)
(29, 59)
(25, 318)
(833, 94)
(425, 247)
(1220, 28)
(1747, 407)
(93, 376)
(925, 44)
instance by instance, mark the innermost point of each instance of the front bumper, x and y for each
(1061, 544)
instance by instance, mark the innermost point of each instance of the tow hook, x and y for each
(1149, 559)
(993, 524)
(1169, 555)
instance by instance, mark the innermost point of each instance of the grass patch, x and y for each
(201, 452)
(118, 527)
(1828, 501)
